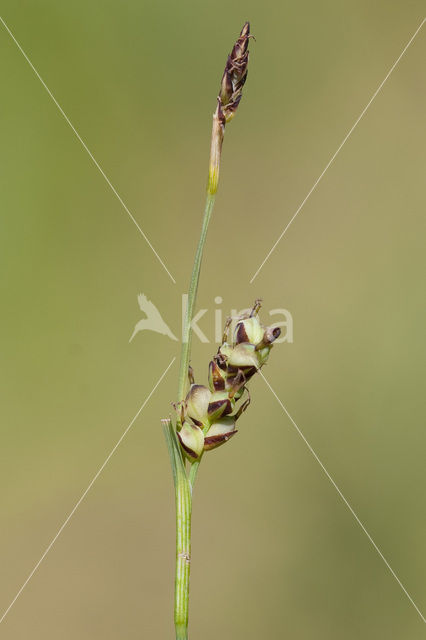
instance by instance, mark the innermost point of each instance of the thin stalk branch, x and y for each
(218, 130)
(192, 295)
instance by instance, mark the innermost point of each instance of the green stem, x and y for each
(183, 556)
(183, 483)
(192, 295)
(183, 531)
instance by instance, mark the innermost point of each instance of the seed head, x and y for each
(229, 97)
(234, 77)
(209, 415)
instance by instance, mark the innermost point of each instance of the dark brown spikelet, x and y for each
(229, 97)
(234, 77)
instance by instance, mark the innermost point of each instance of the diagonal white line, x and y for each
(84, 494)
(343, 498)
(316, 183)
(86, 148)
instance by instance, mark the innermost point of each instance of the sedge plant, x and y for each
(206, 416)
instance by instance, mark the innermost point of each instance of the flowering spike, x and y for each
(230, 93)
(210, 414)
(235, 75)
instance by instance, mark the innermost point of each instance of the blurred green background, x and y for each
(276, 553)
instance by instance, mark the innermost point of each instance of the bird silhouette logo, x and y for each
(153, 320)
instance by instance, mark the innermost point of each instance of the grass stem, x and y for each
(192, 295)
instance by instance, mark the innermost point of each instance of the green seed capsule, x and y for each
(191, 439)
(220, 405)
(219, 433)
(249, 330)
(243, 355)
(197, 404)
